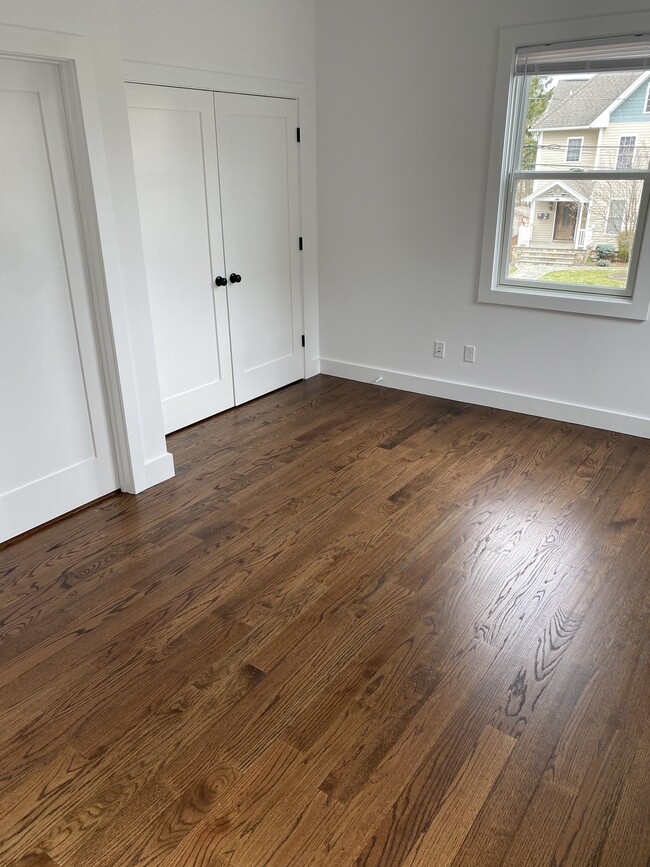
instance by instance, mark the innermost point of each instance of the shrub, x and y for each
(605, 251)
(624, 243)
(603, 263)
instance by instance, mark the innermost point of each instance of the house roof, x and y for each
(578, 102)
(579, 191)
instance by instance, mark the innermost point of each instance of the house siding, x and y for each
(543, 229)
(599, 210)
(605, 190)
(611, 139)
(558, 139)
(632, 110)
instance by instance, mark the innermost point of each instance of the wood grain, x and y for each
(359, 627)
(462, 802)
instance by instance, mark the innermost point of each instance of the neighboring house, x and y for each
(597, 122)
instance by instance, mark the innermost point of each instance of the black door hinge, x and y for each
(300, 243)
(303, 339)
(298, 135)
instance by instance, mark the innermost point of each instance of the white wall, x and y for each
(242, 37)
(405, 97)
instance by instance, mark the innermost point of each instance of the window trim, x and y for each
(491, 288)
(646, 104)
(571, 138)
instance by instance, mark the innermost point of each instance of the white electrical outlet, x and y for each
(439, 349)
(470, 354)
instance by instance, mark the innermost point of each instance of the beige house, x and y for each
(602, 121)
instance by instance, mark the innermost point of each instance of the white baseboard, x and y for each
(512, 401)
(159, 469)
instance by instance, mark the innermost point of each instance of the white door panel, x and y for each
(258, 170)
(175, 158)
(55, 444)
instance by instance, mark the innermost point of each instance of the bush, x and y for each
(605, 251)
(624, 243)
(603, 263)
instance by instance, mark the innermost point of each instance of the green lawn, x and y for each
(589, 276)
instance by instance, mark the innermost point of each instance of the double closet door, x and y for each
(217, 183)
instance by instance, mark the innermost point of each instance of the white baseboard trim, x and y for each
(477, 394)
(159, 469)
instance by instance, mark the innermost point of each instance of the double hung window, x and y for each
(574, 149)
(575, 184)
(626, 148)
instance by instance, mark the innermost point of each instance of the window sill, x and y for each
(566, 301)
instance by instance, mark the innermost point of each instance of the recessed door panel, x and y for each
(55, 443)
(174, 152)
(258, 170)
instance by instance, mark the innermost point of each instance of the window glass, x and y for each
(573, 150)
(567, 224)
(625, 156)
(616, 216)
(576, 232)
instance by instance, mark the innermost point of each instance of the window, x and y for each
(625, 156)
(549, 217)
(647, 101)
(615, 216)
(574, 149)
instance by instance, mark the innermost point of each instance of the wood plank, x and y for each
(585, 830)
(463, 800)
(366, 810)
(628, 835)
(36, 859)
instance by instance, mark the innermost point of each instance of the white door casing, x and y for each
(175, 158)
(56, 450)
(260, 203)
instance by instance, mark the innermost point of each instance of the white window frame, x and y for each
(494, 286)
(646, 104)
(573, 138)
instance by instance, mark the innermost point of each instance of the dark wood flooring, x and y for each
(359, 627)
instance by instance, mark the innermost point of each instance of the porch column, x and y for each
(579, 231)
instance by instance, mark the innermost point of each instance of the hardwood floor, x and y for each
(359, 627)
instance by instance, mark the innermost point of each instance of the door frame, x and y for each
(74, 57)
(136, 72)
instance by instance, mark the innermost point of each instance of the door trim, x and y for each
(74, 56)
(137, 72)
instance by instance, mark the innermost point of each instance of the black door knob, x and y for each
(235, 278)
(221, 281)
